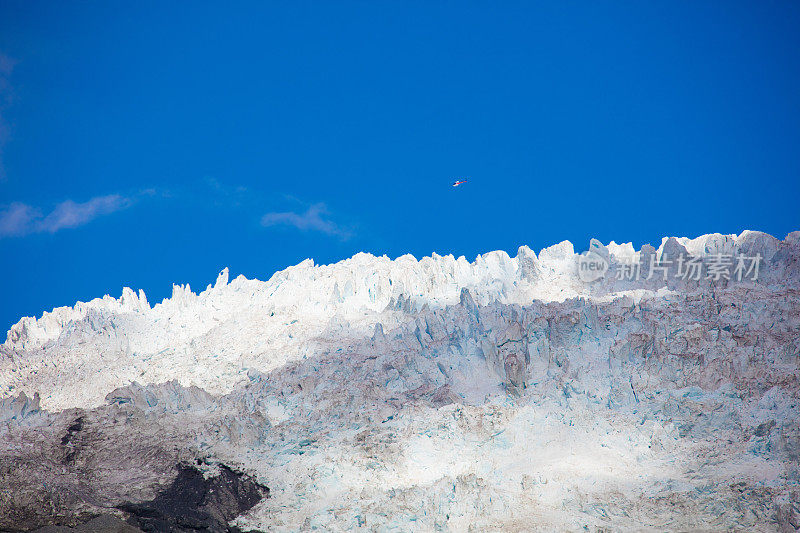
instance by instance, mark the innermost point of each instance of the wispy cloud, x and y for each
(18, 219)
(22, 219)
(227, 195)
(71, 215)
(302, 215)
(315, 218)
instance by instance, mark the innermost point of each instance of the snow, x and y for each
(442, 394)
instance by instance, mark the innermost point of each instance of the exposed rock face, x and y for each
(130, 459)
(98, 524)
(503, 394)
(194, 503)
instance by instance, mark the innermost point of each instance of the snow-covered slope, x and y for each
(502, 394)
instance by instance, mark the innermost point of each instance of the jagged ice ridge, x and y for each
(439, 394)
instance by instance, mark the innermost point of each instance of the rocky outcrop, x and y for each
(194, 503)
(136, 461)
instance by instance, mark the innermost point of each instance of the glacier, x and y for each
(502, 394)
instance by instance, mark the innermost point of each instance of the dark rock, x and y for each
(194, 503)
(75, 427)
(100, 524)
(763, 429)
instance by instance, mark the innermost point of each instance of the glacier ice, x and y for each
(419, 395)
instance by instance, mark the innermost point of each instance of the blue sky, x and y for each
(148, 143)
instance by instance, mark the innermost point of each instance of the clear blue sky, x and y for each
(146, 143)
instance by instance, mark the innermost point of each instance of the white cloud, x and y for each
(17, 219)
(71, 215)
(22, 219)
(313, 219)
